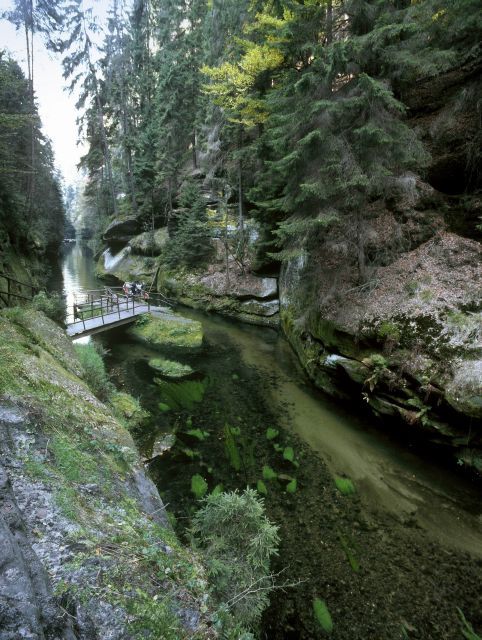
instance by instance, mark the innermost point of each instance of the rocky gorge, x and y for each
(406, 342)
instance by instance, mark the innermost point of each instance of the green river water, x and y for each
(393, 559)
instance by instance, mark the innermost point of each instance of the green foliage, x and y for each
(261, 488)
(190, 244)
(344, 485)
(53, 305)
(289, 454)
(170, 368)
(31, 207)
(322, 615)
(467, 629)
(390, 331)
(93, 366)
(237, 541)
(292, 486)
(182, 395)
(378, 366)
(349, 550)
(271, 433)
(199, 486)
(75, 464)
(198, 434)
(172, 332)
(128, 409)
(268, 473)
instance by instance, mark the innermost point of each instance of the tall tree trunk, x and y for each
(360, 244)
(194, 156)
(32, 107)
(329, 22)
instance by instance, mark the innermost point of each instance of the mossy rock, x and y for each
(128, 408)
(170, 368)
(168, 332)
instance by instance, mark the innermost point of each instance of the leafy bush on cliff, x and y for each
(237, 541)
(53, 305)
(95, 373)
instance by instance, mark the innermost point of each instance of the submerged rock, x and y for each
(170, 368)
(168, 331)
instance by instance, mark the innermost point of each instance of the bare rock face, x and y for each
(240, 285)
(409, 345)
(28, 608)
(444, 111)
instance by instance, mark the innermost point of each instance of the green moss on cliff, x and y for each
(81, 455)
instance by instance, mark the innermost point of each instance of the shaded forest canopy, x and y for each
(296, 111)
(31, 206)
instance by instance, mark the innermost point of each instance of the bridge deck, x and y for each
(106, 321)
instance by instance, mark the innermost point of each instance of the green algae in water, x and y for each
(197, 433)
(289, 454)
(182, 395)
(271, 433)
(261, 488)
(292, 486)
(322, 615)
(170, 368)
(199, 486)
(268, 473)
(344, 486)
(348, 548)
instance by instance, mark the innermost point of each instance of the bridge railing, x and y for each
(12, 294)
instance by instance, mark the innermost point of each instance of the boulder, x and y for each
(241, 286)
(464, 392)
(260, 308)
(149, 243)
(122, 229)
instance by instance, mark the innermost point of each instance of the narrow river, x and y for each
(395, 559)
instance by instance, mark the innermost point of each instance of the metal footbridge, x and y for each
(98, 310)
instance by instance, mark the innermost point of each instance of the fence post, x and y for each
(101, 309)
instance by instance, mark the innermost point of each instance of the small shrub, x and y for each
(94, 370)
(52, 304)
(389, 331)
(237, 541)
(344, 485)
(411, 287)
